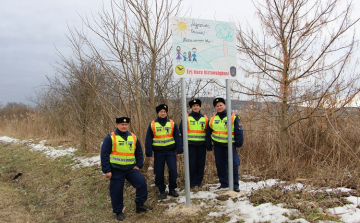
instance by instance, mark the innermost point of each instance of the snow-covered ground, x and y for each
(54, 153)
(237, 206)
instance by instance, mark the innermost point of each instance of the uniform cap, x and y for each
(122, 120)
(216, 100)
(160, 107)
(194, 102)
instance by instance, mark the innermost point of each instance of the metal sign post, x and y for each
(229, 131)
(185, 143)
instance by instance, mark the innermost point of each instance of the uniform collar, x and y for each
(222, 114)
(195, 114)
(162, 120)
(122, 134)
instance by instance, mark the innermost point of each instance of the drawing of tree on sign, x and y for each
(226, 33)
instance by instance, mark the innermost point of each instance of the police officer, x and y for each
(163, 139)
(121, 158)
(196, 129)
(217, 133)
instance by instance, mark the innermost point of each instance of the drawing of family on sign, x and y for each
(186, 57)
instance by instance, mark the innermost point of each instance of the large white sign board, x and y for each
(203, 48)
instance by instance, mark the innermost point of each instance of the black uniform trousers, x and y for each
(197, 158)
(117, 181)
(160, 158)
(221, 161)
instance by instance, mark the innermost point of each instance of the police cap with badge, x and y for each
(122, 120)
(160, 107)
(217, 100)
(194, 102)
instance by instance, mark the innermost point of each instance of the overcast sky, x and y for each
(31, 31)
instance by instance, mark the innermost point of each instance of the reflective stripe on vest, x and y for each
(196, 129)
(219, 128)
(123, 151)
(163, 135)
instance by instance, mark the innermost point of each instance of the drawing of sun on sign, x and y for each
(181, 26)
(203, 48)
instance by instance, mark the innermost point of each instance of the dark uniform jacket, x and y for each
(106, 149)
(149, 148)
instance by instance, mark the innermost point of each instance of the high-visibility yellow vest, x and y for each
(219, 128)
(196, 129)
(123, 151)
(163, 135)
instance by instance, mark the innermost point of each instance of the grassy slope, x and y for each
(51, 191)
(11, 208)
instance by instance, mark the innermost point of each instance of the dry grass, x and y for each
(52, 191)
(323, 150)
(311, 204)
(11, 208)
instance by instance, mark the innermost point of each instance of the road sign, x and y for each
(203, 48)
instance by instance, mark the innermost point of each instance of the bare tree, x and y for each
(121, 67)
(133, 36)
(71, 104)
(134, 54)
(300, 58)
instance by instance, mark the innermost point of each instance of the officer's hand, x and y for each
(151, 158)
(178, 155)
(136, 168)
(108, 175)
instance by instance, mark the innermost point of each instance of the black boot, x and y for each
(140, 207)
(120, 216)
(173, 193)
(163, 195)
